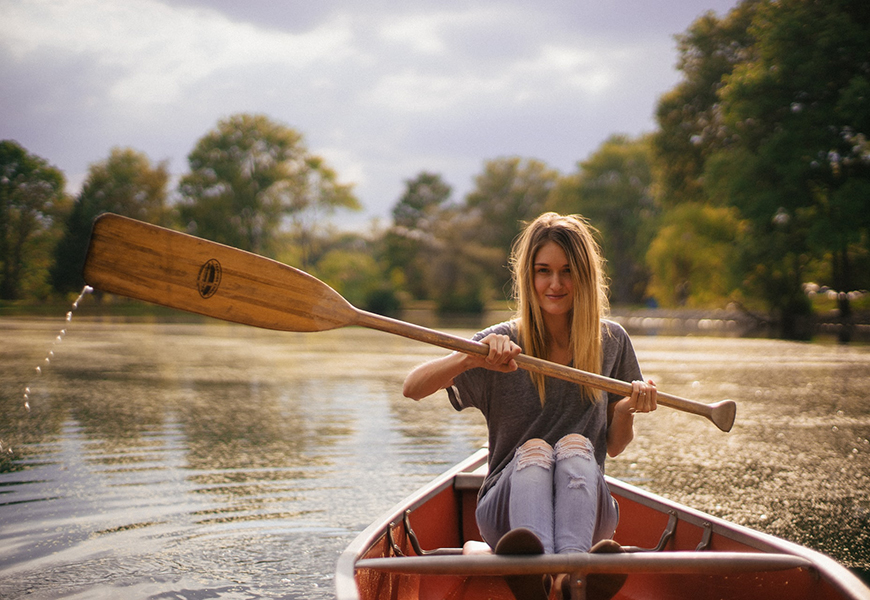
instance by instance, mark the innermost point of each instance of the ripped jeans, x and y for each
(558, 493)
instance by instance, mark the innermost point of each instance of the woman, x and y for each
(547, 437)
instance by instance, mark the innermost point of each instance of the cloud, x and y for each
(153, 53)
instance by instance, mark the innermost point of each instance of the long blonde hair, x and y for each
(576, 238)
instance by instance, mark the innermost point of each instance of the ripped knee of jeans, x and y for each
(535, 452)
(573, 445)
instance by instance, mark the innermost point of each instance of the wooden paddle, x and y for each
(173, 269)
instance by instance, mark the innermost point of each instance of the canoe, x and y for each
(414, 552)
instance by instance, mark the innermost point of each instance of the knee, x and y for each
(575, 458)
(574, 445)
(535, 452)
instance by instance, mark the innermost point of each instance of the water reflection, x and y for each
(173, 460)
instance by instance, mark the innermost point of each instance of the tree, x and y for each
(32, 200)
(690, 116)
(509, 193)
(410, 241)
(461, 268)
(126, 184)
(353, 274)
(797, 162)
(613, 190)
(250, 174)
(693, 257)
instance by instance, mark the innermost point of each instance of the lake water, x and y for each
(208, 460)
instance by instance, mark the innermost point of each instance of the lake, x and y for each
(199, 459)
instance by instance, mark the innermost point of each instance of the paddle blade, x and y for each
(173, 269)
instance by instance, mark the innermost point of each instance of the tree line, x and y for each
(754, 189)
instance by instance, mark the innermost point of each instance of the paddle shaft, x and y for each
(173, 269)
(720, 413)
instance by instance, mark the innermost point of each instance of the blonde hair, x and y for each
(577, 239)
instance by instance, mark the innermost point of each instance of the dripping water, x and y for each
(58, 339)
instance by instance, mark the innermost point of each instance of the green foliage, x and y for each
(32, 201)
(461, 267)
(690, 115)
(612, 188)
(247, 176)
(772, 118)
(354, 275)
(125, 184)
(693, 256)
(509, 193)
(410, 242)
(798, 109)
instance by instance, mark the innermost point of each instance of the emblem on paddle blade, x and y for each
(209, 279)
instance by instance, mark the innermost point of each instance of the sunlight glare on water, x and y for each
(207, 460)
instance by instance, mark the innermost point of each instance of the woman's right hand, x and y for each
(437, 374)
(502, 352)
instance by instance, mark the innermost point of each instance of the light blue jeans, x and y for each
(558, 493)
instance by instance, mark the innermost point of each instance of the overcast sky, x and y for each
(382, 90)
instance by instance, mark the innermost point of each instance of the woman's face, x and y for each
(552, 276)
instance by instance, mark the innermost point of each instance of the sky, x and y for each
(381, 90)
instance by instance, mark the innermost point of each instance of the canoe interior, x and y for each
(442, 516)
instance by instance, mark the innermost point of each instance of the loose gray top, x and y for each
(512, 408)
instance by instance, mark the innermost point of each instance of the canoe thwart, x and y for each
(685, 562)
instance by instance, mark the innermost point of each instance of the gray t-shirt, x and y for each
(512, 407)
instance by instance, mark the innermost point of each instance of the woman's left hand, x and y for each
(642, 399)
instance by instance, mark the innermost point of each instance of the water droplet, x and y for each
(51, 353)
(27, 390)
(38, 370)
(59, 338)
(27, 406)
(696, 384)
(840, 413)
(835, 429)
(69, 316)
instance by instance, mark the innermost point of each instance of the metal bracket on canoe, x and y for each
(708, 534)
(395, 547)
(667, 534)
(415, 543)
